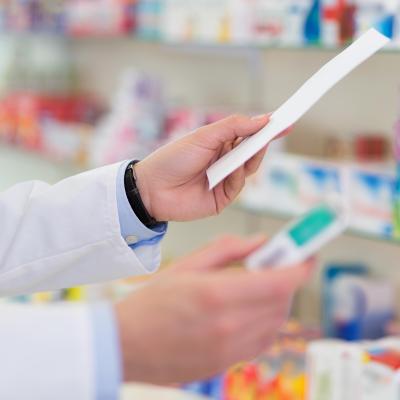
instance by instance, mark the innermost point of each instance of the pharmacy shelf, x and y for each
(198, 44)
(212, 46)
(228, 46)
(17, 165)
(266, 213)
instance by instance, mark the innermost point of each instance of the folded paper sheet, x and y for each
(294, 108)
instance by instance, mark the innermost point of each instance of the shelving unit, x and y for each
(265, 213)
(196, 44)
(244, 77)
(247, 78)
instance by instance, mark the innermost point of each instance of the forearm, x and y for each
(63, 235)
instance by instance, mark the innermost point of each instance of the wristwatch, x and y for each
(134, 198)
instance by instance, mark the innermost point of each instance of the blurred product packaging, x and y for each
(285, 22)
(99, 17)
(140, 120)
(290, 185)
(266, 22)
(358, 307)
(362, 371)
(397, 183)
(41, 108)
(134, 123)
(279, 373)
(36, 63)
(371, 148)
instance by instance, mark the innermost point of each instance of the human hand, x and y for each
(173, 181)
(200, 319)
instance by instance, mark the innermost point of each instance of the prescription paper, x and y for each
(294, 108)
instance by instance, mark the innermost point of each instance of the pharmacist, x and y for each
(189, 323)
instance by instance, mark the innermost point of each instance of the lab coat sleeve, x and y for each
(46, 352)
(59, 236)
(142, 240)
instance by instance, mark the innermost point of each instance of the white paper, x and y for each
(294, 108)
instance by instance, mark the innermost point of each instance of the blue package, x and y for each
(331, 273)
(312, 27)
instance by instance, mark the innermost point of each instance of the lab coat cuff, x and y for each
(132, 229)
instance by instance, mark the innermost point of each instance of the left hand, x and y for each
(199, 317)
(173, 181)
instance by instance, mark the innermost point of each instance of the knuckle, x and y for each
(236, 118)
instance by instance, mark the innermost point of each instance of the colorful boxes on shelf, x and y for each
(364, 371)
(290, 185)
(280, 373)
(100, 17)
(57, 126)
(299, 369)
(266, 22)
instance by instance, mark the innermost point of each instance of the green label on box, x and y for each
(312, 225)
(397, 219)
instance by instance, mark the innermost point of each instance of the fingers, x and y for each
(234, 184)
(240, 320)
(245, 332)
(285, 132)
(221, 253)
(259, 335)
(229, 129)
(241, 287)
(254, 163)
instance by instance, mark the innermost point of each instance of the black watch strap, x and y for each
(134, 198)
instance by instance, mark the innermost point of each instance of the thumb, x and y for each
(228, 130)
(220, 254)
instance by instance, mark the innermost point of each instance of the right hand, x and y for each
(199, 318)
(178, 171)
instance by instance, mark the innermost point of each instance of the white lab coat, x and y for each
(53, 237)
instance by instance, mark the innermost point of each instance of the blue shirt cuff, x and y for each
(132, 229)
(107, 353)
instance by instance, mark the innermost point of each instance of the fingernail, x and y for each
(259, 117)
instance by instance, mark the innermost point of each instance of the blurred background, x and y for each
(85, 83)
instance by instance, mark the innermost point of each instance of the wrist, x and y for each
(142, 185)
(139, 195)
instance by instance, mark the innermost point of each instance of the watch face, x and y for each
(312, 225)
